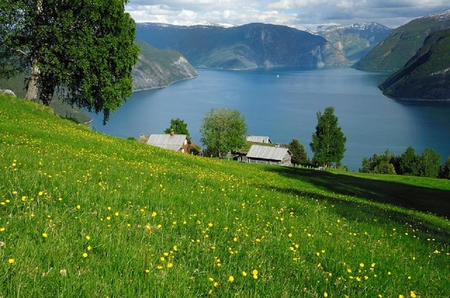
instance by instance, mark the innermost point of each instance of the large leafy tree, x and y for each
(299, 155)
(328, 142)
(178, 126)
(85, 49)
(223, 130)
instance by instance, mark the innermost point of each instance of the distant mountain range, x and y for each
(403, 43)
(243, 47)
(355, 40)
(427, 74)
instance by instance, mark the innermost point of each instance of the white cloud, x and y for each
(295, 13)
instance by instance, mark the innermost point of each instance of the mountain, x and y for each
(427, 74)
(355, 40)
(243, 47)
(403, 43)
(159, 68)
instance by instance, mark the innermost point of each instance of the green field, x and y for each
(83, 214)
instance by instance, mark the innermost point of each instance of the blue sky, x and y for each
(295, 13)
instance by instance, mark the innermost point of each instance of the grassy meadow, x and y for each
(83, 214)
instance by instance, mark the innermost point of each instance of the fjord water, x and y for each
(282, 104)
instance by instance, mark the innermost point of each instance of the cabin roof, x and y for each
(265, 152)
(259, 139)
(167, 141)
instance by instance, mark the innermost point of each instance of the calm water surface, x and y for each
(285, 107)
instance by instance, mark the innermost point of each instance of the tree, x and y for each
(299, 154)
(445, 169)
(328, 142)
(379, 164)
(84, 49)
(409, 162)
(178, 126)
(223, 130)
(429, 163)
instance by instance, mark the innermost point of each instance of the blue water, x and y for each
(284, 108)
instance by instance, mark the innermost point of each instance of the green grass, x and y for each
(84, 214)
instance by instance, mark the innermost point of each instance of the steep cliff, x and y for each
(403, 43)
(427, 75)
(159, 68)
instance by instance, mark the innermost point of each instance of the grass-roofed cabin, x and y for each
(269, 155)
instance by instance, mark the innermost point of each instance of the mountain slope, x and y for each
(427, 74)
(243, 47)
(159, 68)
(355, 40)
(403, 43)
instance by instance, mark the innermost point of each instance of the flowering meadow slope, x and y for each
(84, 214)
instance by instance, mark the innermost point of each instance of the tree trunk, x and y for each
(48, 88)
(32, 87)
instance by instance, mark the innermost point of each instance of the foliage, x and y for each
(178, 126)
(328, 142)
(409, 162)
(429, 163)
(223, 130)
(84, 214)
(444, 172)
(85, 49)
(379, 164)
(299, 155)
(425, 165)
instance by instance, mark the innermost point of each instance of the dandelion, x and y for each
(231, 278)
(361, 265)
(45, 235)
(216, 284)
(169, 265)
(325, 294)
(154, 214)
(401, 296)
(41, 193)
(88, 237)
(255, 274)
(244, 273)
(412, 294)
(11, 261)
(85, 255)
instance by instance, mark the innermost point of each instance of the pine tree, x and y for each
(328, 142)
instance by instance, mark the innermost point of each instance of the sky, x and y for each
(300, 14)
